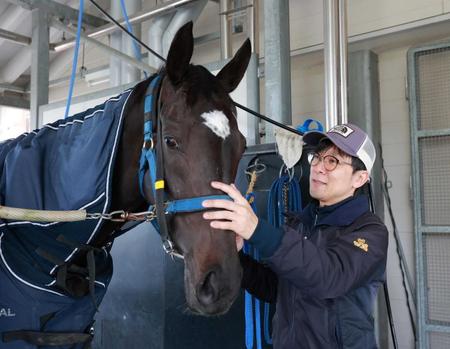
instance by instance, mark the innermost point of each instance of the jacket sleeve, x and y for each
(258, 279)
(330, 271)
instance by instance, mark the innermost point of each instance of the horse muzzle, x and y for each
(215, 291)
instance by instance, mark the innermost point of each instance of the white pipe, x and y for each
(155, 33)
(330, 34)
(253, 25)
(181, 17)
(115, 41)
(129, 72)
(225, 30)
(343, 62)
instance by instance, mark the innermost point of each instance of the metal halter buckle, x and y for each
(148, 144)
(168, 246)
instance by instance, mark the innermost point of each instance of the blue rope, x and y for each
(75, 58)
(257, 311)
(248, 312)
(276, 207)
(137, 49)
(252, 324)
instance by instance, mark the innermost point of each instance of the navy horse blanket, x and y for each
(65, 165)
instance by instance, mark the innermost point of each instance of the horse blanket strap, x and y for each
(47, 338)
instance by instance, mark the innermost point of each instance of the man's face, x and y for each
(330, 187)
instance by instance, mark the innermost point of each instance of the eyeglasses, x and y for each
(330, 162)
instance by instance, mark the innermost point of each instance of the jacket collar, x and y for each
(341, 214)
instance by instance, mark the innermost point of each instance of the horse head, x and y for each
(201, 143)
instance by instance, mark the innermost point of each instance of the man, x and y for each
(325, 265)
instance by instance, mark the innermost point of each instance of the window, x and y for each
(13, 122)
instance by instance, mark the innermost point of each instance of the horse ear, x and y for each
(231, 75)
(180, 53)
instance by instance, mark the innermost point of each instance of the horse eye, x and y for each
(171, 142)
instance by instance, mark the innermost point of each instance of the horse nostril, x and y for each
(208, 292)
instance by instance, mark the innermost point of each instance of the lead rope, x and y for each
(252, 323)
(75, 58)
(284, 197)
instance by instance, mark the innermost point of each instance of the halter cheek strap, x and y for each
(149, 161)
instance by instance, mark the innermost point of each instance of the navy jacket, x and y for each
(323, 268)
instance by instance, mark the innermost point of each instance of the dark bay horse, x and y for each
(51, 298)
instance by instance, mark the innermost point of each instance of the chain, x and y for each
(122, 216)
(285, 199)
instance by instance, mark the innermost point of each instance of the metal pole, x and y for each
(253, 100)
(141, 65)
(39, 64)
(277, 64)
(253, 24)
(343, 62)
(225, 30)
(15, 38)
(135, 19)
(330, 33)
(130, 73)
(115, 41)
(10, 87)
(335, 45)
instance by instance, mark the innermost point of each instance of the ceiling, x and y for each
(15, 58)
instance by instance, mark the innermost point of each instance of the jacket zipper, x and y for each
(293, 316)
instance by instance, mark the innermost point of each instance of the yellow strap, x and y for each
(159, 184)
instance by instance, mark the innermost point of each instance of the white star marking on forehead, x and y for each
(217, 121)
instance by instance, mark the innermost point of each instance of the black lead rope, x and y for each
(385, 288)
(263, 117)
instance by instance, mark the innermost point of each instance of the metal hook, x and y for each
(257, 167)
(290, 172)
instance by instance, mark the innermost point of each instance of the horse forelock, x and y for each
(199, 83)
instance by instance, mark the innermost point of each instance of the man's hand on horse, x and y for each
(237, 215)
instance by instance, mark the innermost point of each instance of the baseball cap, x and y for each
(350, 139)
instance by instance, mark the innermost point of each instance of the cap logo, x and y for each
(343, 130)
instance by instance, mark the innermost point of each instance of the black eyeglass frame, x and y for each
(315, 158)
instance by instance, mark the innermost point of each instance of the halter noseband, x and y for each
(153, 161)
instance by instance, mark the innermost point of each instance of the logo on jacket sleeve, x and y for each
(361, 243)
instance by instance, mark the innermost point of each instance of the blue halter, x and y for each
(149, 161)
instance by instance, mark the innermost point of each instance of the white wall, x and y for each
(397, 160)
